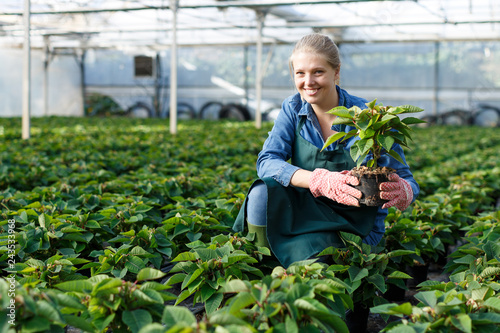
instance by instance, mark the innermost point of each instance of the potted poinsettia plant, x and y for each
(378, 128)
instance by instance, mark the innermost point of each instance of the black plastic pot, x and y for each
(357, 319)
(394, 293)
(443, 257)
(418, 273)
(369, 182)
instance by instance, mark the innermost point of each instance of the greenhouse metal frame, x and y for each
(76, 26)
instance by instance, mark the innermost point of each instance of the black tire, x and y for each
(184, 111)
(234, 112)
(430, 120)
(139, 110)
(211, 110)
(456, 117)
(487, 116)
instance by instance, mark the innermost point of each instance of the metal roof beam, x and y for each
(253, 4)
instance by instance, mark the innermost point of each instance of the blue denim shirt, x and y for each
(277, 149)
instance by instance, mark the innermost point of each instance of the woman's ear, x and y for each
(337, 76)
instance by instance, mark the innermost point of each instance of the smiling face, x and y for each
(315, 80)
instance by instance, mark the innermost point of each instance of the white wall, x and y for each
(64, 96)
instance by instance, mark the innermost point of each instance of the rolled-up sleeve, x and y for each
(277, 149)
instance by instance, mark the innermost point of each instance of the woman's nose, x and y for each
(309, 79)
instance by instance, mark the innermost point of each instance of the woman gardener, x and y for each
(304, 195)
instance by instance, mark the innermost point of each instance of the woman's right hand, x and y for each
(335, 186)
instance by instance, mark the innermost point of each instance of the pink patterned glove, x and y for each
(398, 191)
(335, 186)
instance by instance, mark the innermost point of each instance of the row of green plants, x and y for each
(104, 210)
(470, 301)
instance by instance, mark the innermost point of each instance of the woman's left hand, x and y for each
(398, 191)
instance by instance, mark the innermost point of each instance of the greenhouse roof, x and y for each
(149, 23)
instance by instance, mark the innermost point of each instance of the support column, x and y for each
(26, 71)
(435, 99)
(261, 16)
(173, 69)
(46, 62)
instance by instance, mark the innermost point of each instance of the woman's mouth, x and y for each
(311, 92)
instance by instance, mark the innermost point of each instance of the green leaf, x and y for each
(310, 305)
(149, 274)
(379, 282)
(492, 250)
(356, 273)
(106, 287)
(393, 309)
(24, 217)
(192, 276)
(143, 208)
(333, 138)
(177, 278)
(235, 286)
(489, 272)
(139, 251)
(153, 328)
(412, 120)
(485, 318)
(69, 301)
(103, 322)
(134, 264)
(213, 303)
(343, 121)
(385, 119)
(185, 256)
(463, 322)
(363, 125)
(410, 108)
(240, 301)
(467, 259)
(206, 254)
(427, 297)
(480, 293)
(368, 133)
(79, 286)
(398, 253)
(236, 257)
(365, 145)
(341, 111)
(355, 152)
(206, 291)
(493, 303)
(46, 310)
(396, 156)
(229, 321)
(385, 141)
(37, 324)
(395, 110)
(79, 322)
(136, 319)
(371, 105)
(143, 298)
(398, 275)
(291, 325)
(41, 220)
(173, 315)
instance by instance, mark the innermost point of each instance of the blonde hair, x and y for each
(318, 44)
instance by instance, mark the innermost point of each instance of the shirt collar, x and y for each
(306, 109)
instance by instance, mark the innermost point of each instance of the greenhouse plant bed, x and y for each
(100, 206)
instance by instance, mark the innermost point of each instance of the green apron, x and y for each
(299, 225)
